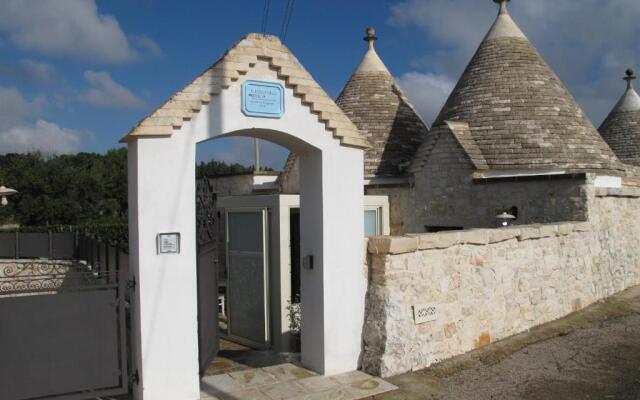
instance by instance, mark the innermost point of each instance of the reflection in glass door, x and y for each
(247, 285)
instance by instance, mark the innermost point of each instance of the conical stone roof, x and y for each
(519, 113)
(621, 129)
(383, 114)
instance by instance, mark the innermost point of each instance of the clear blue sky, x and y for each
(77, 74)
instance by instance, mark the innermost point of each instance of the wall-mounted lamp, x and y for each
(505, 219)
(4, 193)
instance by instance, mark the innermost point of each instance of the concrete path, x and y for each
(592, 354)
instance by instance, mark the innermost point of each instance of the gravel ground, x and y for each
(592, 354)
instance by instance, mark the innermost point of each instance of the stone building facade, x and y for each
(488, 284)
(510, 138)
(449, 194)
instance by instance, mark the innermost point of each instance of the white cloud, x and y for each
(427, 92)
(66, 28)
(588, 43)
(42, 136)
(146, 45)
(105, 92)
(31, 73)
(14, 108)
(18, 135)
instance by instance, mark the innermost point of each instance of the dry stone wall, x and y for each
(445, 194)
(488, 284)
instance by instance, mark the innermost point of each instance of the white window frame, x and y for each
(378, 211)
(381, 205)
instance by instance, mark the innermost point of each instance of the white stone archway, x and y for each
(162, 200)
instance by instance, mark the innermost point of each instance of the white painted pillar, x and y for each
(165, 330)
(332, 230)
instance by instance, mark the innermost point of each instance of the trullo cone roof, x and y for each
(519, 113)
(383, 114)
(621, 129)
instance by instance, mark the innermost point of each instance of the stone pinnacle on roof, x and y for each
(630, 77)
(519, 113)
(621, 128)
(371, 36)
(383, 114)
(504, 26)
(630, 101)
(371, 61)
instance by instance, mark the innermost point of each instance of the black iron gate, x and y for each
(207, 229)
(62, 332)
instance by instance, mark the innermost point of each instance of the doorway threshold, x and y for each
(234, 357)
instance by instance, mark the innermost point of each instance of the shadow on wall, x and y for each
(405, 136)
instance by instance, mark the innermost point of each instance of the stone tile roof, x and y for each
(462, 133)
(227, 72)
(519, 113)
(383, 114)
(621, 129)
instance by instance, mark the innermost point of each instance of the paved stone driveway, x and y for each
(593, 354)
(290, 382)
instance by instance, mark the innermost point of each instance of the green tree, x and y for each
(84, 189)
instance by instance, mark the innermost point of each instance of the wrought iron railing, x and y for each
(38, 277)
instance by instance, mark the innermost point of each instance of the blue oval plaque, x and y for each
(263, 99)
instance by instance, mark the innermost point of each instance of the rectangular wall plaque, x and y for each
(424, 313)
(262, 99)
(168, 243)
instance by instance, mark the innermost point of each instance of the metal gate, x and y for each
(62, 332)
(207, 267)
(247, 276)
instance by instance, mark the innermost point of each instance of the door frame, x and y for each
(266, 275)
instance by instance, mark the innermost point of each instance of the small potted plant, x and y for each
(294, 312)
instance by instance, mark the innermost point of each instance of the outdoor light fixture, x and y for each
(4, 192)
(505, 218)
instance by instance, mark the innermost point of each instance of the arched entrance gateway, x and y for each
(258, 88)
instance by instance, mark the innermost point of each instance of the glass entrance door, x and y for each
(247, 283)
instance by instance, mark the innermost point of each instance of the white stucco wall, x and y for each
(166, 303)
(162, 199)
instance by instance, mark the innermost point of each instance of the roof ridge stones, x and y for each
(519, 113)
(621, 128)
(376, 104)
(227, 71)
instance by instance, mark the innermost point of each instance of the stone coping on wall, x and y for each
(382, 245)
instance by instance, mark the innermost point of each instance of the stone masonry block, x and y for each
(392, 244)
(440, 240)
(475, 236)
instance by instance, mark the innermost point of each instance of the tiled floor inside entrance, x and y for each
(239, 373)
(233, 357)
